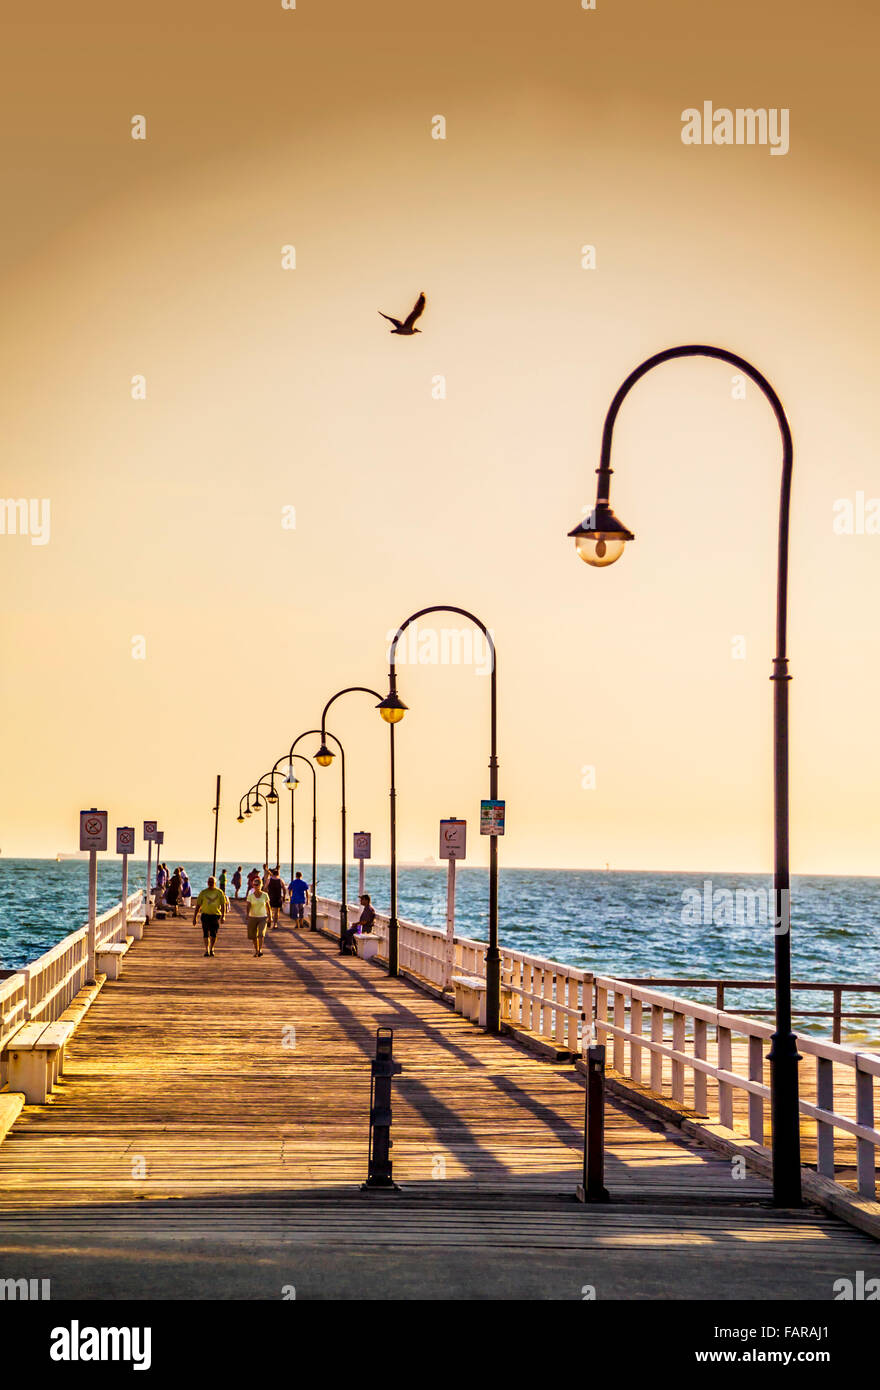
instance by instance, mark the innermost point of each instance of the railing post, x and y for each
(571, 999)
(824, 1132)
(635, 1048)
(836, 1012)
(756, 1103)
(678, 1031)
(701, 1053)
(560, 1017)
(619, 1022)
(865, 1157)
(725, 1090)
(592, 1187)
(601, 1013)
(656, 1037)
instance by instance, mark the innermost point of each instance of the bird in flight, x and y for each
(405, 328)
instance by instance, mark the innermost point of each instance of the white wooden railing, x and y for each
(690, 1053)
(688, 1045)
(42, 990)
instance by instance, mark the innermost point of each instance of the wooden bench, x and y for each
(135, 926)
(10, 1109)
(470, 998)
(35, 1055)
(79, 1007)
(366, 944)
(109, 958)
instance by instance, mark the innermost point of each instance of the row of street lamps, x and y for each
(600, 540)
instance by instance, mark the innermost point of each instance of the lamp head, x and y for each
(290, 781)
(241, 820)
(247, 809)
(324, 756)
(599, 539)
(257, 802)
(392, 708)
(272, 797)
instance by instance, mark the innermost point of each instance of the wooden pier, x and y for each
(211, 1124)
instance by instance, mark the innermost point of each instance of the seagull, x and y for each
(406, 327)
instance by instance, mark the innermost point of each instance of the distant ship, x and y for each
(80, 854)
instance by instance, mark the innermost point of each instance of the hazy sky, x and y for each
(269, 389)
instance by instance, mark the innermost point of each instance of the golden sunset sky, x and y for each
(269, 388)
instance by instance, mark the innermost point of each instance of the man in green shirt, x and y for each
(212, 903)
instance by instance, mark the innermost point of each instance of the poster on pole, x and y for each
(93, 829)
(363, 844)
(159, 837)
(125, 839)
(453, 838)
(151, 828)
(491, 817)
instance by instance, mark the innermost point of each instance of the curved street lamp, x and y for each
(291, 782)
(257, 803)
(324, 756)
(600, 540)
(392, 709)
(327, 757)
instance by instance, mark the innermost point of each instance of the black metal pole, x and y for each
(216, 824)
(393, 926)
(593, 1187)
(784, 1059)
(325, 734)
(493, 955)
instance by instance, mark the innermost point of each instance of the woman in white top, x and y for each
(258, 915)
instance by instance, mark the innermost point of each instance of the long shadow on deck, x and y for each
(426, 1101)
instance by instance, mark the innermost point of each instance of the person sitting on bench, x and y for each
(363, 924)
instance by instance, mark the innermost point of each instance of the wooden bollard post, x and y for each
(592, 1187)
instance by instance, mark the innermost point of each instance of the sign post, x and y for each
(92, 836)
(124, 846)
(453, 846)
(363, 849)
(151, 828)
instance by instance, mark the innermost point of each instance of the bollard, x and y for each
(379, 1157)
(592, 1188)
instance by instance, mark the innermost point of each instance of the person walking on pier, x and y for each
(212, 903)
(258, 915)
(222, 884)
(173, 893)
(299, 896)
(277, 893)
(236, 881)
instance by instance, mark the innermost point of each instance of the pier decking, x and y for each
(212, 1124)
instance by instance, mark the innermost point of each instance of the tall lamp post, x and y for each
(600, 540)
(324, 758)
(393, 928)
(393, 709)
(291, 782)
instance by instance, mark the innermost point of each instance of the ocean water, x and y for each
(614, 923)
